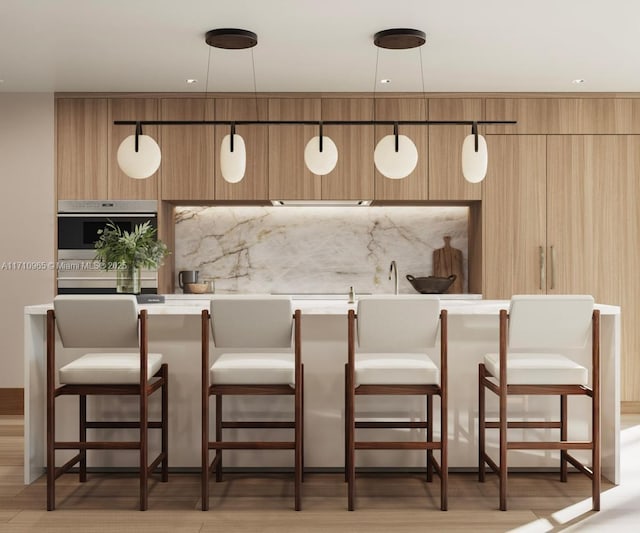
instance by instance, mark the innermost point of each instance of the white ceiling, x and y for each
(319, 45)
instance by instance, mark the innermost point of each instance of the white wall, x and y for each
(26, 219)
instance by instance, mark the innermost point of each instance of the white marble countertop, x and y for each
(193, 304)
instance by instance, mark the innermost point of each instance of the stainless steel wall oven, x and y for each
(78, 225)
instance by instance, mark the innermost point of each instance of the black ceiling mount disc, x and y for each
(231, 38)
(399, 38)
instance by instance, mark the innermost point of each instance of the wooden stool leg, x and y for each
(302, 422)
(144, 459)
(51, 459)
(503, 451)
(563, 437)
(51, 412)
(83, 437)
(595, 458)
(346, 426)
(595, 412)
(298, 446)
(351, 489)
(429, 437)
(444, 454)
(204, 445)
(481, 424)
(218, 437)
(165, 423)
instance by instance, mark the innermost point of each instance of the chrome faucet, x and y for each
(394, 269)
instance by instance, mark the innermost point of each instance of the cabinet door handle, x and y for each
(543, 268)
(553, 268)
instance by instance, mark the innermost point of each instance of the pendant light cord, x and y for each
(375, 80)
(255, 86)
(206, 87)
(424, 94)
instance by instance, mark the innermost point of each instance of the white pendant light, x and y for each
(395, 156)
(321, 154)
(139, 161)
(233, 159)
(475, 156)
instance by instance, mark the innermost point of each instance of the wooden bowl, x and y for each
(195, 288)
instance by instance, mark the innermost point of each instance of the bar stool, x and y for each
(258, 325)
(88, 321)
(535, 325)
(393, 334)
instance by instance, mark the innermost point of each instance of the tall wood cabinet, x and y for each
(560, 216)
(81, 148)
(514, 208)
(593, 224)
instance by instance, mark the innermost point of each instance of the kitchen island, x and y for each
(174, 330)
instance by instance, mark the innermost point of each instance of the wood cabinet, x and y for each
(121, 186)
(352, 178)
(416, 185)
(514, 224)
(187, 169)
(255, 184)
(564, 116)
(81, 148)
(593, 224)
(560, 216)
(289, 178)
(446, 181)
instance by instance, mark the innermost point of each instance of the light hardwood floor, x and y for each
(263, 503)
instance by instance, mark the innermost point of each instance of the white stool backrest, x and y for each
(550, 321)
(97, 321)
(391, 323)
(251, 322)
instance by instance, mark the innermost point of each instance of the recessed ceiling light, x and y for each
(578, 81)
(385, 81)
(191, 81)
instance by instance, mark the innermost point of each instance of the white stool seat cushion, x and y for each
(538, 369)
(254, 369)
(108, 369)
(395, 369)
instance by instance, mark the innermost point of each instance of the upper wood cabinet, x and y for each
(513, 211)
(415, 186)
(561, 116)
(255, 184)
(352, 179)
(81, 141)
(121, 186)
(446, 181)
(289, 177)
(187, 169)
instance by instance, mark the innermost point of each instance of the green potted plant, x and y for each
(127, 252)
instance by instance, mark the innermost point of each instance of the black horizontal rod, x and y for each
(309, 122)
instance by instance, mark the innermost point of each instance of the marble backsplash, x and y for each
(314, 249)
